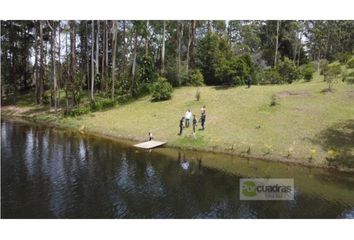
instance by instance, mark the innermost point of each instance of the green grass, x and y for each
(239, 120)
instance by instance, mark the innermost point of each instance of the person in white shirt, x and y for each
(188, 117)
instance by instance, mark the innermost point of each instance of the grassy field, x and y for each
(306, 125)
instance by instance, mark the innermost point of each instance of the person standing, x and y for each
(194, 123)
(188, 117)
(181, 125)
(249, 81)
(203, 117)
(151, 137)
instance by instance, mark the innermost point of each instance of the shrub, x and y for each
(274, 100)
(288, 70)
(125, 98)
(147, 71)
(272, 76)
(233, 71)
(349, 78)
(323, 65)
(350, 63)
(343, 57)
(331, 74)
(102, 104)
(161, 90)
(197, 94)
(307, 71)
(195, 78)
(77, 111)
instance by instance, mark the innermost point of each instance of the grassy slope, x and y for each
(232, 117)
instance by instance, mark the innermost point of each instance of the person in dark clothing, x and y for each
(249, 81)
(194, 123)
(203, 117)
(181, 125)
(151, 137)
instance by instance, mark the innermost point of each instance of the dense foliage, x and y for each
(307, 71)
(161, 90)
(121, 60)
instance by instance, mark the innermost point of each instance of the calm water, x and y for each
(49, 173)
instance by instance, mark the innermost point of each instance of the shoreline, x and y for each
(10, 114)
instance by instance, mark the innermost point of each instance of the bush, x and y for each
(274, 100)
(102, 104)
(343, 57)
(77, 111)
(232, 72)
(161, 90)
(195, 78)
(307, 71)
(197, 94)
(288, 70)
(350, 63)
(125, 98)
(271, 76)
(323, 65)
(331, 74)
(349, 78)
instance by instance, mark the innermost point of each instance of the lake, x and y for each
(51, 173)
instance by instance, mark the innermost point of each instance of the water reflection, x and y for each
(48, 173)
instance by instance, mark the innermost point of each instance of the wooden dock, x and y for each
(149, 144)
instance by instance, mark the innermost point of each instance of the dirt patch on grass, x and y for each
(292, 93)
(306, 110)
(24, 111)
(350, 93)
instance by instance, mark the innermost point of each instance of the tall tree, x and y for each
(72, 82)
(41, 73)
(54, 76)
(114, 44)
(163, 49)
(179, 45)
(97, 49)
(276, 44)
(92, 61)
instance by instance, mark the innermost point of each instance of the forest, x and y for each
(80, 66)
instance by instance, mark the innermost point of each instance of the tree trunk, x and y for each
(134, 63)
(73, 59)
(41, 63)
(87, 61)
(147, 39)
(114, 43)
(67, 75)
(163, 49)
(59, 65)
(106, 61)
(36, 69)
(103, 79)
(54, 76)
(191, 51)
(179, 43)
(97, 48)
(123, 57)
(189, 46)
(92, 64)
(276, 45)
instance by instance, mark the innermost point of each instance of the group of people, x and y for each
(185, 120)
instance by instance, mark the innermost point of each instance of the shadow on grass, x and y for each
(223, 87)
(338, 138)
(36, 110)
